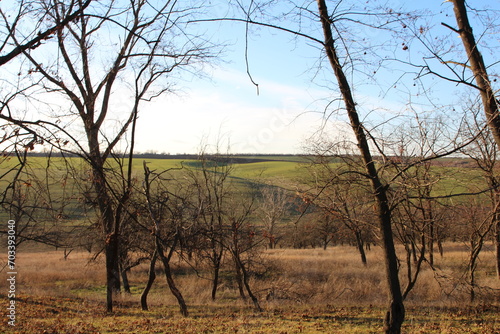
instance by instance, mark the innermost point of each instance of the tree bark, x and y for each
(497, 242)
(215, 282)
(217, 254)
(245, 281)
(125, 281)
(239, 279)
(149, 284)
(170, 280)
(490, 104)
(396, 313)
(108, 222)
(361, 248)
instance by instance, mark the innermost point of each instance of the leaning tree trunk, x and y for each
(396, 313)
(170, 280)
(245, 280)
(239, 279)
(149, 284)
(361, 247)
(490, 104)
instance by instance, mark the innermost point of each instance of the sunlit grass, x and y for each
(313, 291)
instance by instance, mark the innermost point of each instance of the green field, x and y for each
(453, 178)
(308, 290)
(56, 179)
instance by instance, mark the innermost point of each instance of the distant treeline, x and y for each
(241, 158)
(254, 157)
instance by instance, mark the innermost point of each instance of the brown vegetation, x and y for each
(301, 290)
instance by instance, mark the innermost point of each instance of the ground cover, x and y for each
(302, 291)
(83, 316)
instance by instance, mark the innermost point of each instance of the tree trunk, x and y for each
(126, 283)
(440, 245)
(239, 278)
(272, 244)
(151, 279)
(431, 243)
(486, 91)
(170, 280)
(112, 270)
(215, 281)
(396, 313)
(413, 249)
(361, 248)
(109, 223)
(497, 244)
(244, 278)
(432, 233)
(478, 69)
(472, 282)
(217, 255)
(472, 270)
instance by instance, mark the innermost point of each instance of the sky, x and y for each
(228, 111)
(223, 107)
(226, 106)
(286, 112)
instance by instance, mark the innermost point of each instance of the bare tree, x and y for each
(138, 49)
(272, 211)
(468, 69)
(243, 242)
(167, 216)
(10, 23)
(327, 227)
(483, 84)
(211, 180)
(483, 151)
(338, 189)
(475, 221)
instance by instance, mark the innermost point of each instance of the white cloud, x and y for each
(254, 124)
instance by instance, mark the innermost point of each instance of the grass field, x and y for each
(301, 291)
(280, 170)
(305, 291)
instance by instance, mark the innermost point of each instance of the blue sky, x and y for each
(289, 107)
(224, 105)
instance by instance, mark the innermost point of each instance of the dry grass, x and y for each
(305, 276)
(337, 275)
(49, 274)
(308, 291)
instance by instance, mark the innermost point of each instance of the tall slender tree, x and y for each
(490, 101)
(396, 313)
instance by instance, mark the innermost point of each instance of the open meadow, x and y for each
(305, 272)
(301, 290)
(388, 221)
